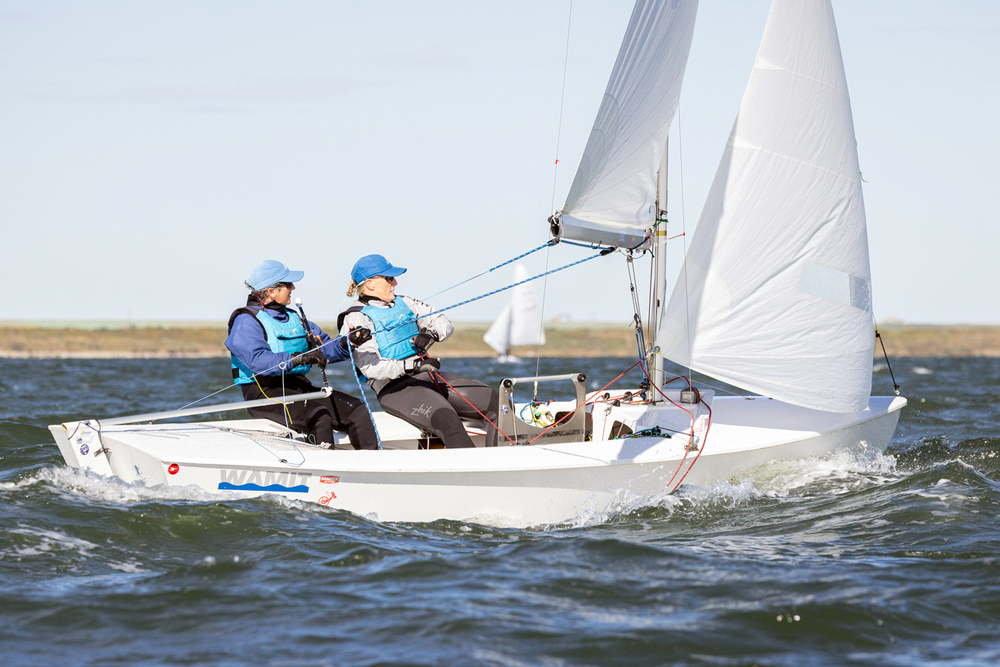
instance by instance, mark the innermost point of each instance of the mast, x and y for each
(659, 286)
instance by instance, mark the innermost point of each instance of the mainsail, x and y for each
(612, 199)
(775, 293)
(520, 322)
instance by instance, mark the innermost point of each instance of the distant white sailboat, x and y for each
(774, 298)
(519, 323)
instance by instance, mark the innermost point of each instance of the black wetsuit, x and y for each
(418, 399)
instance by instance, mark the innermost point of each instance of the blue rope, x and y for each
(361, 389)
(548, 243)
(496, 291)
(640, 341)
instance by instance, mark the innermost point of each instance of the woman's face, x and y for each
(382, 288)
(280, 293)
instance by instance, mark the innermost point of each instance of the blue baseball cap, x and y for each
(271, 271)
(370, 266)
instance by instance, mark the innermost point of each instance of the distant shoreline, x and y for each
(156, 340)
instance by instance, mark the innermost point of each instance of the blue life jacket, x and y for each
(288, 336)
(394, 327)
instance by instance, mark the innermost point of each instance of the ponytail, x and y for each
(352, 288)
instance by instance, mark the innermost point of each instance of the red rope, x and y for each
(708, 427)
(596, 395)
(512, 441)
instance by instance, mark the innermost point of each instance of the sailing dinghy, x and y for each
(520, 322)
(774, 297)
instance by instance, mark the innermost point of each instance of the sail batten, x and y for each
(775, 292)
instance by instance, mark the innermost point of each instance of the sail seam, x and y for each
(747, 146)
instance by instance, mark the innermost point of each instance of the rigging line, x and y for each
(550, 242)
(878, 336)
(562, 101)
(288, 415)
(504, 289)
(462, 396)
(541, 320)
(283, 365)
(596, 395)
(364, 399)
(195, 402)
(651, 307)
(684, 265)
(636, 304)
(691, 437)
(640, 339)
(704, 443)
(555, 177)
(294, 444)
(496, 291)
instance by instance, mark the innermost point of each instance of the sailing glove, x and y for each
(357, 337)
(312, 357)
(417, 365)
(424, 340)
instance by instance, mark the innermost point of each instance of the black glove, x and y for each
(312, 357)
(358, 337)
(424, 340)
(417, 365)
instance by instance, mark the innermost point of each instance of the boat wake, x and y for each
(842, 473)
(78, 485)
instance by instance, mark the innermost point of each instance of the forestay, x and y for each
(612, 199)
(775, 294)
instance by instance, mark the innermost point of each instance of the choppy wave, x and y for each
(854, 560)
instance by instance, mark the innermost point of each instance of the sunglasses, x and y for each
(282, 285)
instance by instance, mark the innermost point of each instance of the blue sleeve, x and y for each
(246, 341)
(332, 347)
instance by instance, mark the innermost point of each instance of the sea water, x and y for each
(887, 561)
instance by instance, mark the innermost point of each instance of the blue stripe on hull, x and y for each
(226, 486)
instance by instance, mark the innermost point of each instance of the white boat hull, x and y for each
(511, 486)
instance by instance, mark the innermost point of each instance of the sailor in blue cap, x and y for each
(408, 383)
(273, 347)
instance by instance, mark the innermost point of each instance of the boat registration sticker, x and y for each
(329, 479)
(83, 440)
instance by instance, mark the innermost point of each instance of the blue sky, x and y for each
(152, 152)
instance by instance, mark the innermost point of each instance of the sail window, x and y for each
(836, 286)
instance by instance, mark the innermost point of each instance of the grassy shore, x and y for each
(115, 340)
